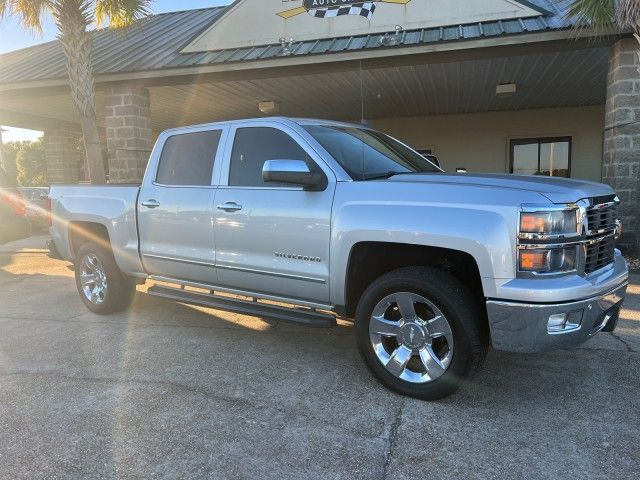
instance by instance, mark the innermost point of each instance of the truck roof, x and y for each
(276, 119)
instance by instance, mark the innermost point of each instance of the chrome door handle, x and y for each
(151, 203)
(230, 207)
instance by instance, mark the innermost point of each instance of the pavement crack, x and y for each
(599, 349)
(391, 440)
(624, 342)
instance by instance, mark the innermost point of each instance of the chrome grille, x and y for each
(601, 218)
(599, 254)
(601, 229)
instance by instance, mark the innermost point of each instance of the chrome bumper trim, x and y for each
(522, 327)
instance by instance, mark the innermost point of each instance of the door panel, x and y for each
(271, 238)
(176, 237)
(278, 243)
(175, 210)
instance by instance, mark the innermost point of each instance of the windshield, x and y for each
(367, 154)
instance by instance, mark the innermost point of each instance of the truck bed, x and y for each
(111, 205)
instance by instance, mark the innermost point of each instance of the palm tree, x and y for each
(72, 19)
(605, 13)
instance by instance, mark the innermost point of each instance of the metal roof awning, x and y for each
(152, 48)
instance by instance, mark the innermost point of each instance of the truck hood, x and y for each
(557, 190)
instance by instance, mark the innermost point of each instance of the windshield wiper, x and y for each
(388, 174)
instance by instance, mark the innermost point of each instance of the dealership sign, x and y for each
(255, 23)
(336, 8)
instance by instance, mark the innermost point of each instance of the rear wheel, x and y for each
(418, 332)
(103, 288)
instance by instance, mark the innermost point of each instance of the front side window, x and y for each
(187, 159)
(255, 145)
(366, 154)
(541, 156)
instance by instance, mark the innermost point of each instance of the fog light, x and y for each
(564, 322)
(556, 322)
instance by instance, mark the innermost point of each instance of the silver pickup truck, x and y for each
(306, 220)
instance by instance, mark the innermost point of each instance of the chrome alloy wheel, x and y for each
(93, 279)
(411, 337)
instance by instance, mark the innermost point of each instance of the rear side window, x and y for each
(187, 159)
(255, 145)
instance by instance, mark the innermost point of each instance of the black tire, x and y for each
(120, 288)
(461, 311)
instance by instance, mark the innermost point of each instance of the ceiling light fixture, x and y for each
(269, 107)
(505, 88)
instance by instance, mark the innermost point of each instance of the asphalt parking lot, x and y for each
(173, 391)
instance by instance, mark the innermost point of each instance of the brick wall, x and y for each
(128, 123)
(62, 155)
(621, 162)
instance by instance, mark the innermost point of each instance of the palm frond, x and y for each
(628, 14)
(29, 12)
(121, 13)
(593, 14)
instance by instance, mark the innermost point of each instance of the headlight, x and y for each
(547, 260)
(554, 222)
(547, 238)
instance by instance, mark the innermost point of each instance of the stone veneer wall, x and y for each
(129, 138)
(62, 155)
(621, 162)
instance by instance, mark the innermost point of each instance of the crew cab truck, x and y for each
(331, 219)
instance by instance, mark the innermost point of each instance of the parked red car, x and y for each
(14, 224)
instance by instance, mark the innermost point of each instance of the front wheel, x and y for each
(103, 288)
(418, 331)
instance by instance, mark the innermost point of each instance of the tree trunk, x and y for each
(637, 35)
(72, 18)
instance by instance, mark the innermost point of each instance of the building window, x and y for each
(541, 156)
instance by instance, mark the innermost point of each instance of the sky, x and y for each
(13, 37)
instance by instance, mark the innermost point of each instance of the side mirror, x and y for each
(292, 172)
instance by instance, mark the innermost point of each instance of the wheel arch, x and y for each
(370, 260)
(82, 232)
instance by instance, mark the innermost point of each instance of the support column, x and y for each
(128, 120)
(621, 162)
(62, 155)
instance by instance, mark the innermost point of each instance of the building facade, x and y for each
(489, 85)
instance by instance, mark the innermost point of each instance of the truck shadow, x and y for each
(26, 292)
(209, 349)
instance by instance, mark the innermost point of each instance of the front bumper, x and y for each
(524, 327)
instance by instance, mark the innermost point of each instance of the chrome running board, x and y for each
(296, 315)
